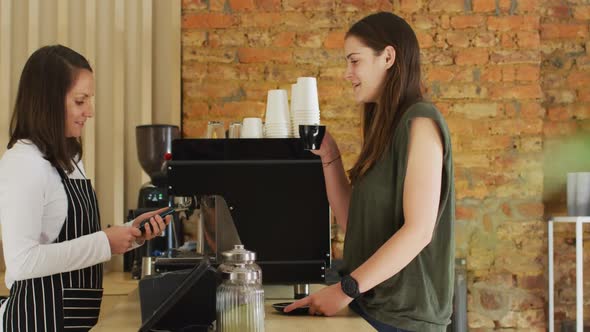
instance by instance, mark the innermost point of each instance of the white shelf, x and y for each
(572, 219)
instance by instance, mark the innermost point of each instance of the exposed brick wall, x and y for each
(509, 75)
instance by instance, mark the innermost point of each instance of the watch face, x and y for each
(350, 287)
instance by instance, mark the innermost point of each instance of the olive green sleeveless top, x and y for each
(419, 297)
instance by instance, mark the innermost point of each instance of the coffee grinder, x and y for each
(154, 145)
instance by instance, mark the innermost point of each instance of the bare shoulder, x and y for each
(425, 128)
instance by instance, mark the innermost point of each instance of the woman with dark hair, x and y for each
(398, 210)
(52, 240)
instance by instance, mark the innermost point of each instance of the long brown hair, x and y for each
(40, 109)
(401, 88)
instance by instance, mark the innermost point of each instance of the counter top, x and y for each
(126, 317)
(123, 313)
(114, 283)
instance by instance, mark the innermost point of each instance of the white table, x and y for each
(579, 221)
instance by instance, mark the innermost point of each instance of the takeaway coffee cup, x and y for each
(312, 136)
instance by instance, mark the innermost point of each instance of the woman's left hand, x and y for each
(157, 224)
(326, 302)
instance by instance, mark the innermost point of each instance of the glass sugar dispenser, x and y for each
(240, 297)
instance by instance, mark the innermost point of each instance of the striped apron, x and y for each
(67, 301)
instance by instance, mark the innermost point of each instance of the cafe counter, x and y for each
(126, 317)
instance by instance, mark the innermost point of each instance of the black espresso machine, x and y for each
(267, 194)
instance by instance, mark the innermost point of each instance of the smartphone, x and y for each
(142, 225)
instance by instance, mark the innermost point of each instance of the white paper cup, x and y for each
(277, 107)
(251, 128)
(307, 94)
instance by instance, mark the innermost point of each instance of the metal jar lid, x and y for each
(242, 276)
(238, 255)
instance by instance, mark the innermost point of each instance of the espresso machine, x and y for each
(267, 194)
(154, 145)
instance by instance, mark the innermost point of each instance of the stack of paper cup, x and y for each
(277, 121)
(305, 108)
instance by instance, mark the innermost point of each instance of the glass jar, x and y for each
(240, 297)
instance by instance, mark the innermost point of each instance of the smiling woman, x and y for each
(398, 209)
(79, 106)
(52, 239)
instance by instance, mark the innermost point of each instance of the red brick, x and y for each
(216, 5)
(582, 13)
(334, 39)
(516, 92)
(208, 55)
(242, 5)
(528, 73)
(268, 5)
(579, 79)
(309, 39)
(529, 6)
(506, 209)
(259, 20)
(509, 73)
(551, 129)
(472, 56)
(492, 74)
(490, 300)
(468, 21)
(507, 41)
(207, 21)
(365, 5)
(513, 23)
(253, 55)
(299, 5)
(531, 210)
(226, 37)
(530, 110)
(458, 38)
(521, 56)
(559, 114)
(193, 5)
(411, 6)
(194, 38)
(561, 11)
(424, 22)
(193, 70)
(194, 129)
(485, 39)
(197, 110)
(532, 282)
(449, 6)
(441, 74)
(528, 39)
(424, 39)
(564, 31)
(483, 6)
(284, 39)
(237, 110)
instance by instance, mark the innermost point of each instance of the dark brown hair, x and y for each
(40, 108)
(401, 88)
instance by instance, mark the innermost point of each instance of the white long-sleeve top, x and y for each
(33, 209)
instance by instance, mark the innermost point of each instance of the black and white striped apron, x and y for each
(67, 301)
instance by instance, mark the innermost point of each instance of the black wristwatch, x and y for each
(350, 286)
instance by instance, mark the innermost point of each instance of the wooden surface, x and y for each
(117, 286)
(114, 283)
(120, 311)
(126, 317)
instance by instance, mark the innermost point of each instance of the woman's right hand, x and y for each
(328, 149)
(121, 238)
